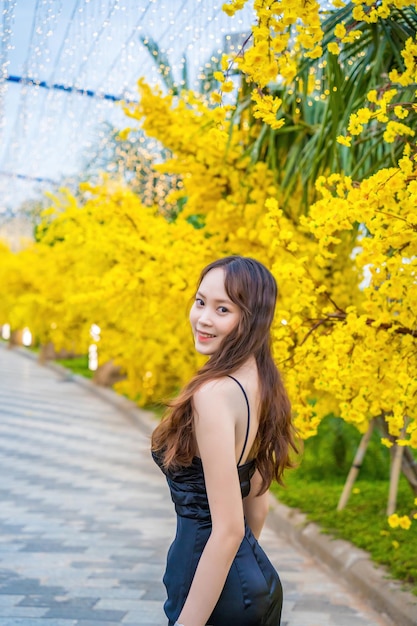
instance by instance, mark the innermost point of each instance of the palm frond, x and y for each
(306, 146)
(162, 62)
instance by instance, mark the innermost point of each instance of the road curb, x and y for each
(352, 564)
(365, 578)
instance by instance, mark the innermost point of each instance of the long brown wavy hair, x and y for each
(251, 286)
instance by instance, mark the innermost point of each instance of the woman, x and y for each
(223, 441)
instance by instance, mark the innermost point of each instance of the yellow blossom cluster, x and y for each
(287, 30)
(344, 340)
(409, 76)
(390, 104)
(395, 521)
(266, 108)
(113, 262)
(344, 36)
(272, 55)
(370, 11)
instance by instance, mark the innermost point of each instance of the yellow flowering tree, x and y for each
(314, 107)
(344, 252)
(369, 221)
(106, 261)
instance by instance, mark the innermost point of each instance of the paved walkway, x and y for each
(85, 517)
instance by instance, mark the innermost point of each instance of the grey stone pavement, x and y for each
(86, 519)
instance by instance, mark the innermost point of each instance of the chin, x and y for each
(205, 350)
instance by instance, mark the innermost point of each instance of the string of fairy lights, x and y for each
(64, 64)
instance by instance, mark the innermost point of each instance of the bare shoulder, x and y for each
(215, 421)
(216, 393)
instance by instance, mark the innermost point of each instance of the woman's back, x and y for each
(252, 593)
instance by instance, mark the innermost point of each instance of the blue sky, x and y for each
(86, 44)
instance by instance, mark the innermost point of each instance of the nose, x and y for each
(205, 317)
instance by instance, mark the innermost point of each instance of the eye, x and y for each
(223, 309)
(199, 302)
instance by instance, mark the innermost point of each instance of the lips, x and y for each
(203, 336)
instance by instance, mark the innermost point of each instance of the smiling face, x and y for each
(213, 315)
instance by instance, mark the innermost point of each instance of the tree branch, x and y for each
(340, 316)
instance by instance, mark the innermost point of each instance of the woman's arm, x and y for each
(215, 433)
(256, 507)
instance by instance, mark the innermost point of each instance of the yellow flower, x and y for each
(292, 246)
(386, 442)
(395, 129)
(228, 86)
(333, 47)
(229, 9)
(316, 53)
(123, 134)
(344, 141)
(340, 30)
(405, 522)
(352, 36)
(224, 62)
(363, 115)
(400, 112)
(358, 14)
(354, 127)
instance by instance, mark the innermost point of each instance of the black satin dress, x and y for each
(252, 594)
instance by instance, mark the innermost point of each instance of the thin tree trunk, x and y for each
(396, 461)
(409, 469)
(356, 465)
(408, 462)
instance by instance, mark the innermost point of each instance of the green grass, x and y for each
(315, 487)
(77, 365)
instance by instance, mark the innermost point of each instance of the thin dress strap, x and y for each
(248, 426)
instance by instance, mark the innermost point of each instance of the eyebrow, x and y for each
(217, 301)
